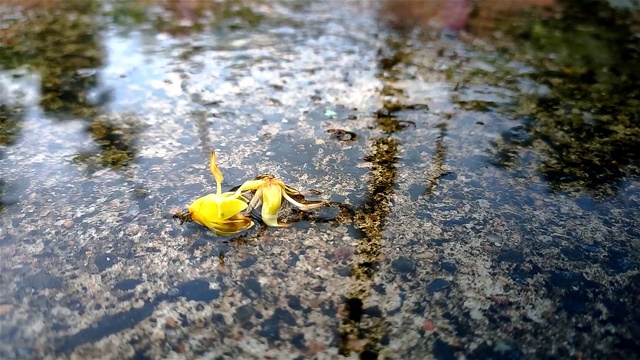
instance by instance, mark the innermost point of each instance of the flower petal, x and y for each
(289, 190)
(228, 207)
(230, 194)
(233, 225)
(217, 174)
(250, 185)
(195, 209)
(256, 200)
(271, 202)
(214, 208)
(300, 206)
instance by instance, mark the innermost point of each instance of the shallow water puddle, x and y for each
(483, 183)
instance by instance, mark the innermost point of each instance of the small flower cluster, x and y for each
(227, 213)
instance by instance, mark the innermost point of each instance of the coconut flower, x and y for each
(269, 192)
(220, 212)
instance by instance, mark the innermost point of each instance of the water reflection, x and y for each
(475, 16)
(587, 126)
(569, 82)
(116, 139)
(64, 49)
(72, 57)
(181, 18)
(396, 126)
(360, 330)
(10, 118)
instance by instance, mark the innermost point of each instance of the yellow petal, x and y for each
(271, 202)
(214, 208)
(229, 207)
(288, 189)
(217, 174)
(194, 209)
(250, 185)
(256, 200)
(233, 195)
(233, 225)
(304, 207)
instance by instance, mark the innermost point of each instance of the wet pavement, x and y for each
(483, 179)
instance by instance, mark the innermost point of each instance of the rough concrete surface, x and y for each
(463, 223)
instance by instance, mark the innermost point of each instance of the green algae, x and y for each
(370, 220)
(356, 335)
(116, 140)
(61, 45)
(186, 18)
(590, 122)
(10, 119)
(586, 125)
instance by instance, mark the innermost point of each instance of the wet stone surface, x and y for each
(483, 179)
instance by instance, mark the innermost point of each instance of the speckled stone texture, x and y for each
(445, 239)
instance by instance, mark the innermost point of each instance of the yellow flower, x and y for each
(220, 212)
(269, 192)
